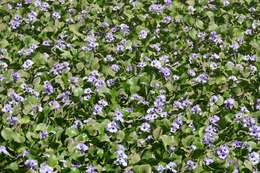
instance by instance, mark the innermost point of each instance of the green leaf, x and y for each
(199, 24)
(212, 26)
(7, 133)
(4, 43)
(157, 132)
(148, 155)
(142, 169)
(13, 166)
(134, 158)
(78, 92)
(248, 165)
(18, 138)
(120, 135)
(71, 132)
(25, 120)
(75, 29)
(52, 161)
(93, 130)
(39, 59)
(167, 140)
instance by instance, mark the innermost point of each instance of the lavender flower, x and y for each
(91, 169)
(7, 108)
(91, 42)
(3, 150)
(156, 8)
(31, 164)
(112, 127)
(43, 134)
(191, 165)
(54, 105)
(82, 147)
(48, 88)
(142, 34)
(124, 28)
(254, 131)
(223, 152)
(229, 103)
(60, 68)
(28, 64)
(196, 109)
(115, 67)
(177, 123)
(121, 156)
(110, 37)
(254, 158)
(208, 161)
(166, 72)
(214, 119)
(145, 127)
(16, 76)
(12, 120)
(56, 15)
(45, 169)
(15, 22)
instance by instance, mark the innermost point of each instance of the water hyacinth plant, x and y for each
(133, 86)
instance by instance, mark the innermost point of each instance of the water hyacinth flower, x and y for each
(170, 166)
(112, 127)
(91, 42)
(48, 88)
(254, 158)
(15, 76)
(90, 169)
(142, 34)
(145, 127)
(208, 161)
(31, 17)
(3, 150)
(115, 67)
(214, 119)
(191, 165)
(44, 168)
(237, 144)
(191, 73)
(60, 68)
(124, 28)
(229, 103)
(27, 64)
(254, 131)
(82, 147)
(118, 116)
(210, 134)
(15, 97)
(160, 168)
(15, 22)
(54, 105)
(43, 134)
(110, 37)
(7, 108)
(31, 164)
(167, 2)
(56, 15)
(177, 123)
(166, 72)
(222, 151)
(156, 8)
(12, 120)
(121, 156)
(196, 109)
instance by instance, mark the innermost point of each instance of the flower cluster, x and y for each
(135, 86)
